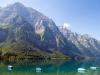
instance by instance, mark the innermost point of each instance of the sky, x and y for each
(81, 16)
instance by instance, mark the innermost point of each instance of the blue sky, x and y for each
(83, 16)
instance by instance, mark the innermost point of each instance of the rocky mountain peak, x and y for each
(16, 5)
(86, 44)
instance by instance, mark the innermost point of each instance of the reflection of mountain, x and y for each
(50, 67)
(87, 45)
(30, 66)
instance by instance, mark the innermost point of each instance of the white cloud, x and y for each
(66, 25)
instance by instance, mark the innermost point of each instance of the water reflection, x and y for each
(54, 67)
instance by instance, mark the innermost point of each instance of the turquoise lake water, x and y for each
(54, 67)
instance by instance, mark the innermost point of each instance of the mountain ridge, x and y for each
(88, 45)
(34, 29)
(27, 32)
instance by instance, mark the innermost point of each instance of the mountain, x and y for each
(27, 32)
(87, 45)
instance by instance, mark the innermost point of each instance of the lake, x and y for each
(53, 67)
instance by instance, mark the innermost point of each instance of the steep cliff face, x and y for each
(3, 35)
(87, 45)
(23, 29)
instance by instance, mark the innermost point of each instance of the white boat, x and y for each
(81, 70)
(93, 68)
(38, 69)
(10, 67)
